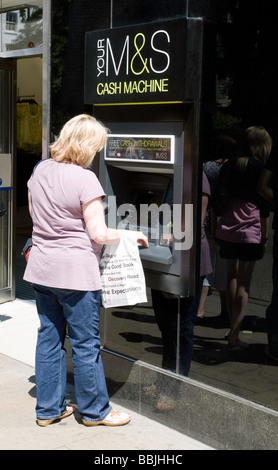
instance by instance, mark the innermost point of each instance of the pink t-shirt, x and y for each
(62, 255)
(241, 223)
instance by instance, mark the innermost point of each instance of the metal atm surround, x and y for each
(166, 268)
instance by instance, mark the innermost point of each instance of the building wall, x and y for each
(241, 64)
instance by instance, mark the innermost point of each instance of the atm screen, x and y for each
(148, 196)
(153, 190)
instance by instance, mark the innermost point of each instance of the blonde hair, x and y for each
(258, 145)
(79, 141)
(259, 141)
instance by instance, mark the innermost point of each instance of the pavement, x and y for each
(18, 428)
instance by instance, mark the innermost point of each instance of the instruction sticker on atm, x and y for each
(147, 148)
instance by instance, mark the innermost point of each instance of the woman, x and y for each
(224, 148)
(242, 229)
(69, 229)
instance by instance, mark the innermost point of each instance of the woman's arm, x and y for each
(264, 187)
(93, 214)
(264, 230)
(30, 203)
(205, 199)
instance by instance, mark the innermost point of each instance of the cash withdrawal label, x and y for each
(142, 63)
(149, 148)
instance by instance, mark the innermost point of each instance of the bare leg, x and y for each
(232, 274)
(244, 274)
(203, 298)
(223, 301)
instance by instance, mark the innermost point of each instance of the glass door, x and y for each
(7, 139)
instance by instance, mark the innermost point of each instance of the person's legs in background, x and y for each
(232, 273)
(188, 316)
(220, 282)
(203, 297)
(165, 310)
(239, 275)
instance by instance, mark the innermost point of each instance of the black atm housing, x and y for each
(141, 182)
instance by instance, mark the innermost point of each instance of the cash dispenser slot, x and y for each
(157, 254)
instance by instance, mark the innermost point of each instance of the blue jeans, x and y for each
(165, 310)
(79, 312)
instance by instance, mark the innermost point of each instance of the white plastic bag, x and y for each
(122, 274)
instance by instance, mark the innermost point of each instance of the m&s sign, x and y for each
(142, 63)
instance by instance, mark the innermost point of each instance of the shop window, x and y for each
(21, 29)
(11, 21)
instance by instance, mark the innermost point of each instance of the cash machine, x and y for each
(143, 173)
(145, 84)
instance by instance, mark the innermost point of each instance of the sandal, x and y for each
(67, 412)
(114, 418)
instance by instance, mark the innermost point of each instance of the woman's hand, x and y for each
(137, 236)
(142, 239)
